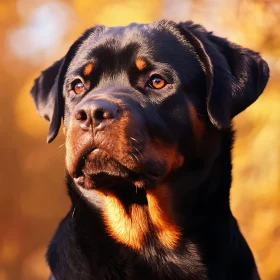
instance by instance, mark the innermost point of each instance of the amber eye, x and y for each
(157, 82)
(78, 87)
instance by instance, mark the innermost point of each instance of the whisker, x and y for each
(137, 143)
(136, 157)
(77, 205)
(135, 140)
(138, 152)
(60, 146)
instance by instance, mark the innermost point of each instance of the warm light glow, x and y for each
(35, 33)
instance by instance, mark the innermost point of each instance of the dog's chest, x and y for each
(152, 264)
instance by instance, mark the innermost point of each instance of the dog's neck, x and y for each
(206, 189)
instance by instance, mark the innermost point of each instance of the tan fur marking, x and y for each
(198, 126)
(88, 69)
(127, 228)
(140, 63)
(162, 151)
(75, 140)
(163, 217)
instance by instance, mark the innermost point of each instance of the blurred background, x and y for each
(35, 33)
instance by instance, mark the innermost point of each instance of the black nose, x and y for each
(96, 113)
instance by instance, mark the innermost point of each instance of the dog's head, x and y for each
(131, 97)
(140, 102)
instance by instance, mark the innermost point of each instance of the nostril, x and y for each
(81, 115)
(104, 114)
(99, 114)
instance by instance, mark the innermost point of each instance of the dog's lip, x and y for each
(78, 162)
(80, 180)
(95, 178)
(103, 178)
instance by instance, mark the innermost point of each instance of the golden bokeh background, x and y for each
(33, 199)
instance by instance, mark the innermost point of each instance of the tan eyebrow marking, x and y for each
(88, 69)
(140, 63)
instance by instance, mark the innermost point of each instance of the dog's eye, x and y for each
(78, 87)
(157, 82)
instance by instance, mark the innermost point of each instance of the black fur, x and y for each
(208, 77)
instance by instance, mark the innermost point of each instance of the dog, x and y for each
(147, 111)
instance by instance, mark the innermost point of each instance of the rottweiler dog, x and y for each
(147, 111)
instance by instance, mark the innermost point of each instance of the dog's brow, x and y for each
(140, 63)
(88, 68)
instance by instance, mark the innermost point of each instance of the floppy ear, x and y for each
(48, 98)
(235, 76)
(47, 90)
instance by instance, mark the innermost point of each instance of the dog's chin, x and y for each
(98, 170)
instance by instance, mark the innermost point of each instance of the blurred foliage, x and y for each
(34, 33)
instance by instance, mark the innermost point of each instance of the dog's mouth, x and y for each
(99, 170)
